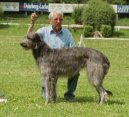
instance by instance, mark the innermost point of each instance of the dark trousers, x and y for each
(71, 87)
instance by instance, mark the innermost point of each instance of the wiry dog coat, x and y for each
(67, 62)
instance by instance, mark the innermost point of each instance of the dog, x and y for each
(54, 63)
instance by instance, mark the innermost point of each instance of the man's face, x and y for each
(56, 22)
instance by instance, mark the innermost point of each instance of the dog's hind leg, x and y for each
(96, 76)
(102, 94)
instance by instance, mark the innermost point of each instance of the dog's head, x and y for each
(30, 41)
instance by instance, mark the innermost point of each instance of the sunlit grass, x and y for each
(20, 81)
(123, 21)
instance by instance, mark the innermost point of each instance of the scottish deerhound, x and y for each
(53, 63)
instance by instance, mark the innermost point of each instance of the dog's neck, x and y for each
(41, 49)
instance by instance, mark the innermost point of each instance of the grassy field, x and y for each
(43, 19)
(20, 81)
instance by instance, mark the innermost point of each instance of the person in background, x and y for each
(56, 36)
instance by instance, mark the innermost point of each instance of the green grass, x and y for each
(123, 21)
(42, 19)
(20, 81)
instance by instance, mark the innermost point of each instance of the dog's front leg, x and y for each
(48, 88)
(53, 89)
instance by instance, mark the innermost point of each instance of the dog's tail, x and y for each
(109, 93)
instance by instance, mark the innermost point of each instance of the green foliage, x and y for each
(97, 13)
(77, 13)
(88, 31)
(123, 21)
(118, 1)
(106, 30)
(1, 11)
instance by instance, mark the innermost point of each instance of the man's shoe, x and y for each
(70, 99)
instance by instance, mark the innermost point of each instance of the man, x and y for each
(56, 36)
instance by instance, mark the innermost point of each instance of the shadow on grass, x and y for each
(92, 100)
(2, 26)
(118, 34)
(85, 99)
(110, 102)
(78, 99)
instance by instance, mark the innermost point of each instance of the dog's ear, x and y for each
(30, 35)
(33, 36)
(37, 37)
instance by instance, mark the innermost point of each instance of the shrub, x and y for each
(98, 12)
(106, 30)
(1, 11)
(77, 13)
(88, 31)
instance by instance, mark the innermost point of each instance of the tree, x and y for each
(1, 11)
(77, 13)
(97, 13)
(116, 1)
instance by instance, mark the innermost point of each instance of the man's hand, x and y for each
(33, 17)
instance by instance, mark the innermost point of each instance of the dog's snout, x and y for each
(23, 44)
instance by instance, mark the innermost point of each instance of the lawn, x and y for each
(20, 81)
(43, 19)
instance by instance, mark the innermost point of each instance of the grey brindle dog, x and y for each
(53, 63)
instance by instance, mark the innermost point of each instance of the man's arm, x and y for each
(71, 41)
(33, 18)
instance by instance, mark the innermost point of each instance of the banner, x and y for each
(115, 8)
(10, 6)
(122, 8)
(65, 8)
(33, 7)
(45, 7)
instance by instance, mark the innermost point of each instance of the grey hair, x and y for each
(53, 12)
